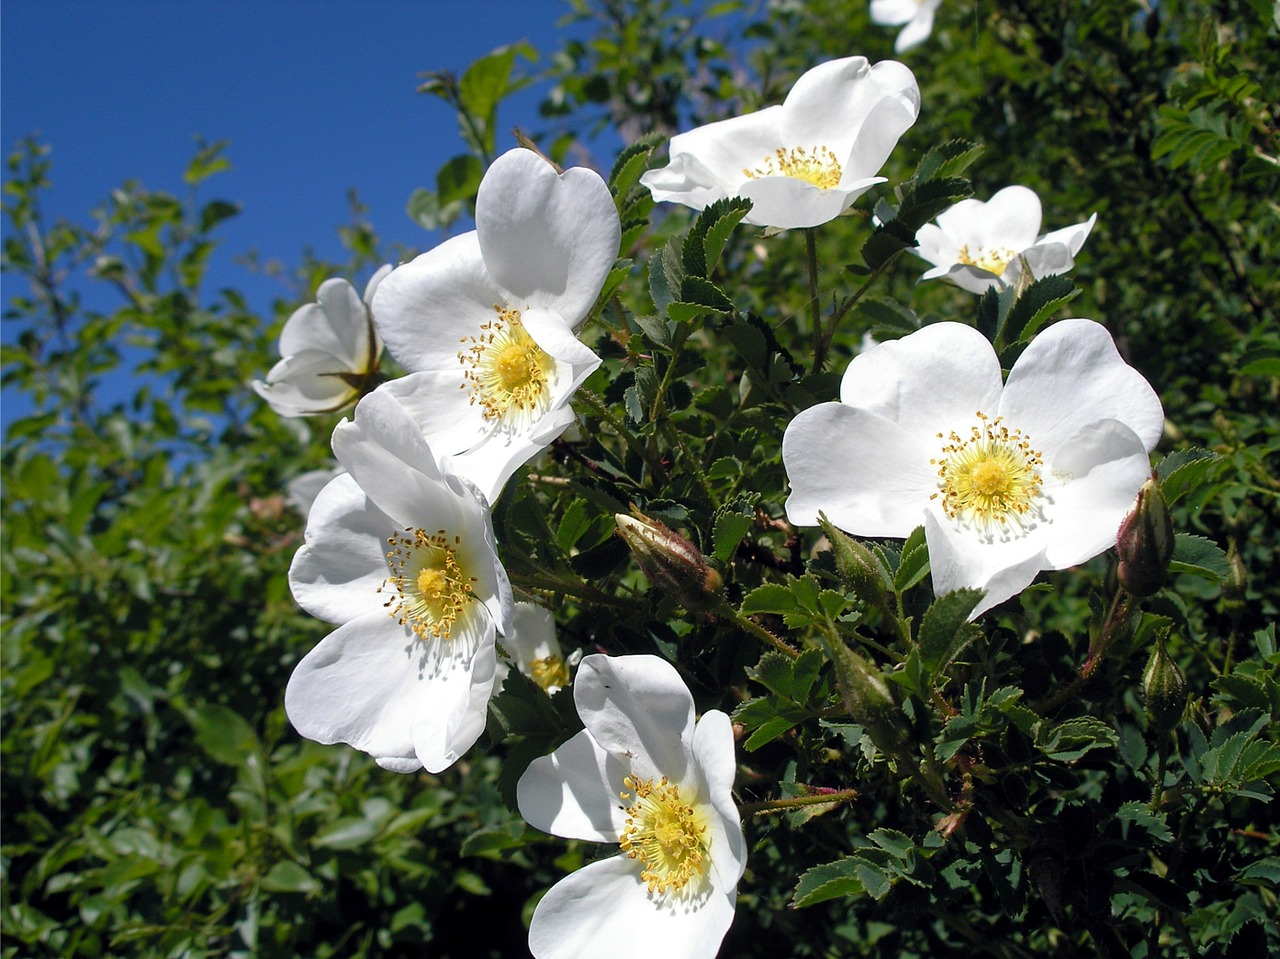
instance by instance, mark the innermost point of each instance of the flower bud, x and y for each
(858, 567)
(671, 562)
(868, 699)
(1164, 689)
(1144, 545)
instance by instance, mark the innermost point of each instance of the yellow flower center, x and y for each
(549, 671)
(432, 590)
(818, 166)
(994, 260)
(990, 479)
(667, 834)
(507, 372)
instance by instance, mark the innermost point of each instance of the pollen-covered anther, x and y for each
(667, 834)
(507, 372)
(549, 671)
(991, 478)
(993, 260)
(816, 165)
(432, 590)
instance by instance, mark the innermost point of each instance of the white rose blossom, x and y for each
(914, 16)
(805, 161)
(331, 351)
(978, 246)
(642, 775)
(533, 648)
(1007, 479)
(402, 557)
(302, 490)
(485, 323)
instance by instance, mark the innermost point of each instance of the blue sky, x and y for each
(315, 97)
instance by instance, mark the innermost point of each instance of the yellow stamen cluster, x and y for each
(994, 260)
(507, 372)
(818, 166)
(666, 834)
(991, 478)
(432, 589)
(549, 671)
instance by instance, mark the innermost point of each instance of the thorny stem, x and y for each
(815, 304)
(758, 631)
(1097, 649)
(1157, 791)
(578, 590)
(797, 802)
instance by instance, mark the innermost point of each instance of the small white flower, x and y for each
(330, 349)
(533, 648)
(1008, 479)
(805, 161)
(485, 322)
(914, 16)
(402, 557)
(644, 776)
(978, 245)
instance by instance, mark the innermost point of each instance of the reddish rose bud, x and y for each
(1144, 545)
(672, 563)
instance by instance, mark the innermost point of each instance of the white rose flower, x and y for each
(644, 776)
(331, 351)
(805, 161)
(485, 322)
(302, 490)
(914, 16)
(978, 245)
(402, 557)
(533, 648)
(1008, 479)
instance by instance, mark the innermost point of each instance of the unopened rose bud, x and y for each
(672, 563)
(858, 567)
(1164, 689)
(1144, 545)
(869, 700)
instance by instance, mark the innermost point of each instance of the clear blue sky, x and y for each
(315, 97)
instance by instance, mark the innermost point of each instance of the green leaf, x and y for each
(922, 201)
(828, 881)
(914, 565)
(223, 734)
(1038, 302)
(631, 164)
(717, 234)
(1070, 740)
(488, 80)
(697, 289)
(727, 532)
(350, 832)
(944, 628)
(948, 159)
(1198, 556)
(1139, 814)
(288, 876)
(886, 242)
(655, 330)
(1184, 471)
(458, 179)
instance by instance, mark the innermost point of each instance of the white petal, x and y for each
(971, 278)
(931, 381)
(548, 238)
(426, 308)
(306, 383)
(491, 462)
(336, 573)
(837, 102)
(869, 475)
(399, 764)
(1009, 219)
(364, 684)
(937, 247)
(371, 287)
(302, 490)
(893, 13)
(337, 324)
(714, 756)
(637, 708)
(555, 336)
(440, 403)
(879, 134)
(918, 30)
(1044, 259)
(1072, 236)
(603, 911)
(958, 559)
(1071, 376)
(1106, 464)
(532, 636)
(711, 161)
(787, 203)
(574, 792)
(456, 699)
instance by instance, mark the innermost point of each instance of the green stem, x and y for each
(852, 301)
(600, 409)
(1097, 649)
(1157, 791)
(755, 629)
(796, 802)
(578, 590)
(815, 304)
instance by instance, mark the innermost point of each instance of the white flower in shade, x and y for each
(331, 351)
(485, 322)
(533, 648)
(302, 490)
(402, 557)
(644, 776)
(978, 245)
(914, 16)
(805, 161)
(1007, 479)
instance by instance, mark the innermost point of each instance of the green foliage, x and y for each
(1009, 793)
